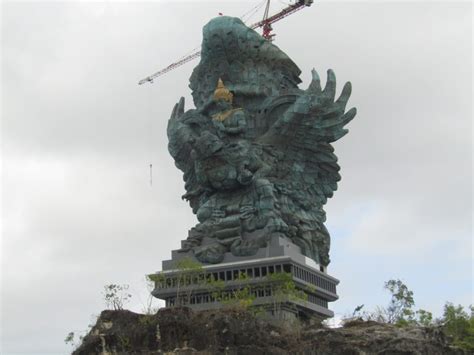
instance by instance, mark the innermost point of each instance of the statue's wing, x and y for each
(304, 133)
(181, 137)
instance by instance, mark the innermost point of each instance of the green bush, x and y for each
(458, 325)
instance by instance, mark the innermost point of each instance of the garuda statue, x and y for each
(256, 151)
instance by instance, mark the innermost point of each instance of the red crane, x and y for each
(266, 25)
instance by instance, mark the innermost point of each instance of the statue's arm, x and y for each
(239, 119)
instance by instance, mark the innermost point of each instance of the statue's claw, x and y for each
(181, 106)
(178, 110)
(344, 97)
(315, 85)
(330, 88)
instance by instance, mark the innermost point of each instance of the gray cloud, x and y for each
(79, 134)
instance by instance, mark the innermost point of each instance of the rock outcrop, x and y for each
(233, 331)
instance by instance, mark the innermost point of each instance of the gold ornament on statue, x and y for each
(222, 93)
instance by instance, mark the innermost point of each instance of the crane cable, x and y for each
(267, 8)
(150, 134)
(250, 13)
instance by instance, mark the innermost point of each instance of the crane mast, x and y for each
(266, 25)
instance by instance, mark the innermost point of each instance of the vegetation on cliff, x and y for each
(180, 330)
(237, 329)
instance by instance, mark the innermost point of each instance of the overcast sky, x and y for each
(78, 135)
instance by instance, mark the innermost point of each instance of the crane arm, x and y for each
(170, 67)
(283, 13)
(264, 23)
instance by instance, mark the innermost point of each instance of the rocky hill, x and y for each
(233, 331)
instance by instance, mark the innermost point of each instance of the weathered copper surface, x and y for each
(256, 151)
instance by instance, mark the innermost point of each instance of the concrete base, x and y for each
(280, 256)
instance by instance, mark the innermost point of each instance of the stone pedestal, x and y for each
(280, 256)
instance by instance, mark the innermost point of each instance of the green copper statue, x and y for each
(256, 152)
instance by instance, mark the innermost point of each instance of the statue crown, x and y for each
(222, 93)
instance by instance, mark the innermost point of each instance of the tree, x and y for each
(70, 339)
(241, 296)
(216, 288)
(115, 296)
(190, 273)
(149, 307)
(399, 310)
(458, 325)
(283, 290)
(425, 318)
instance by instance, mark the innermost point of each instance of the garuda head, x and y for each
(249, 65)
